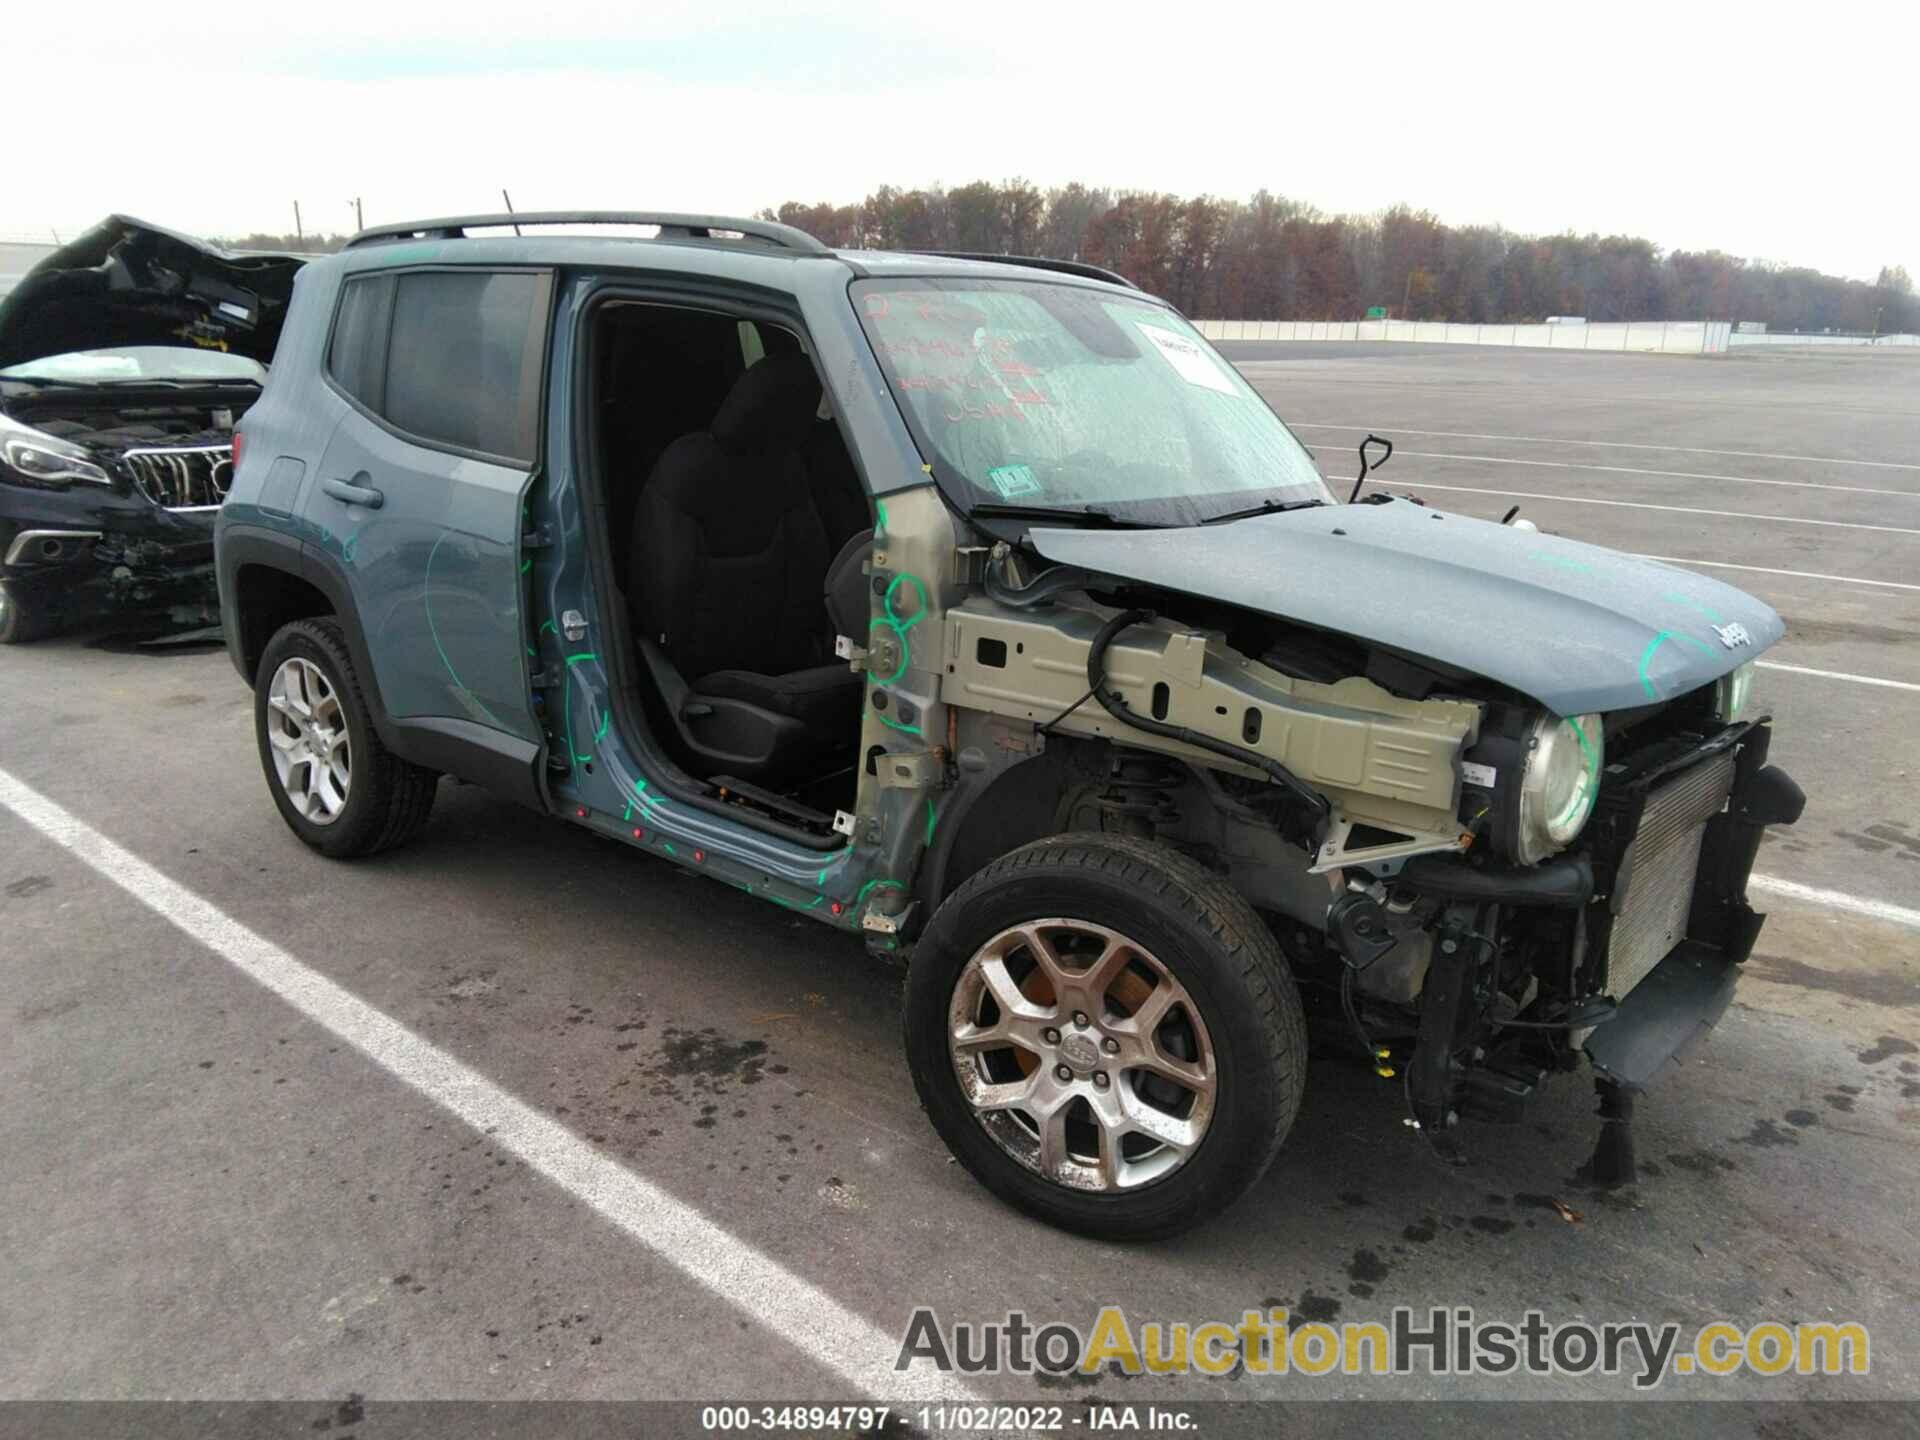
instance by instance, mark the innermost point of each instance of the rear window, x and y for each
(451, 358)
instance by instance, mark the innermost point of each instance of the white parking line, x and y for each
(1796, 574)
(1612, 445)
(1674, 509)
(765, 1291)
(1836, 900)
(1628, 470)
(1838, 675)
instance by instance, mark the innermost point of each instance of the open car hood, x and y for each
(126, 282)
(1576, 627)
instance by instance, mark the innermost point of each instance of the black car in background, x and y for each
(126, 358)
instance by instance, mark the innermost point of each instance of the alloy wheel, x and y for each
(307, 734)
(1081, 1055)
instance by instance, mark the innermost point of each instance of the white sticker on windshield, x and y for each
(1194, 365)
(238, 312)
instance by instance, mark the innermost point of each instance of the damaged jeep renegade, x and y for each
(974, 606)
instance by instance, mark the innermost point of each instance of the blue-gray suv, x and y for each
(975, 606)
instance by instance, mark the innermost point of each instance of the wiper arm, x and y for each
(1058, 514)
(1265, 507)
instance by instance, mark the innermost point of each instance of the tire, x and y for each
(387, 799)
(1187, 926)
(19, 623)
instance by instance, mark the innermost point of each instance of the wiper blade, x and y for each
(1265, 507)
(1057, 514)
(172, 382)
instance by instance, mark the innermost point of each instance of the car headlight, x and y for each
(1559, 784)
(1730, 693)
(40, 459)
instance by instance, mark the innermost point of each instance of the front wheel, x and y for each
(1105, 1035)
(19, 622)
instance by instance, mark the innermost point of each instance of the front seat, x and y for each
(726, 570)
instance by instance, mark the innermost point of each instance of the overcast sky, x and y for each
(1775, 132)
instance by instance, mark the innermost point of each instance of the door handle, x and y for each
(354, 494)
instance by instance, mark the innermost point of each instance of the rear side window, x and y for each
(463, 364)
(451, 358)
(357, 356)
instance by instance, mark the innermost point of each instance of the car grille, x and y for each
(186, 477)
(1658, 871)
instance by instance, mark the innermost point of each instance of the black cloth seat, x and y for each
(728, 558)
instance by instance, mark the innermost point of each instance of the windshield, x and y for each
(138, 362)
(1036, 394)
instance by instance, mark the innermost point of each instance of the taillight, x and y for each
(238, 439)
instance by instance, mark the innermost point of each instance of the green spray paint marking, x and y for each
(426, 601)
(1565, 562)
(833, 864)
(930, 822)
(1693, 605)
(545, 625)
(1653, 645)
(896, 725)
(627, 814)
(605, 720)
(880, 519)
(919, 614)
(573, 660)
(873, 885)
(892, 621)
(782, 900)
(526, 565)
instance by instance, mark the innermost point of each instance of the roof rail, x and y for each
(671, 226)
(1038, 262)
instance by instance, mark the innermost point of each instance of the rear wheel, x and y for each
(1106, 1035)
(337, 787)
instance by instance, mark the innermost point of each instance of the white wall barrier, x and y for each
(1788, 338)
(1671, 337)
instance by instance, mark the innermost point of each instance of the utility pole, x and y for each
(507, 200)
(299, 235)
(359, 224)
(1406, 296)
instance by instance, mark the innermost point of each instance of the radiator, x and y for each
(1658, 871)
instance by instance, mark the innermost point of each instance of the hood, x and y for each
(126, 282)
(1576, 627)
